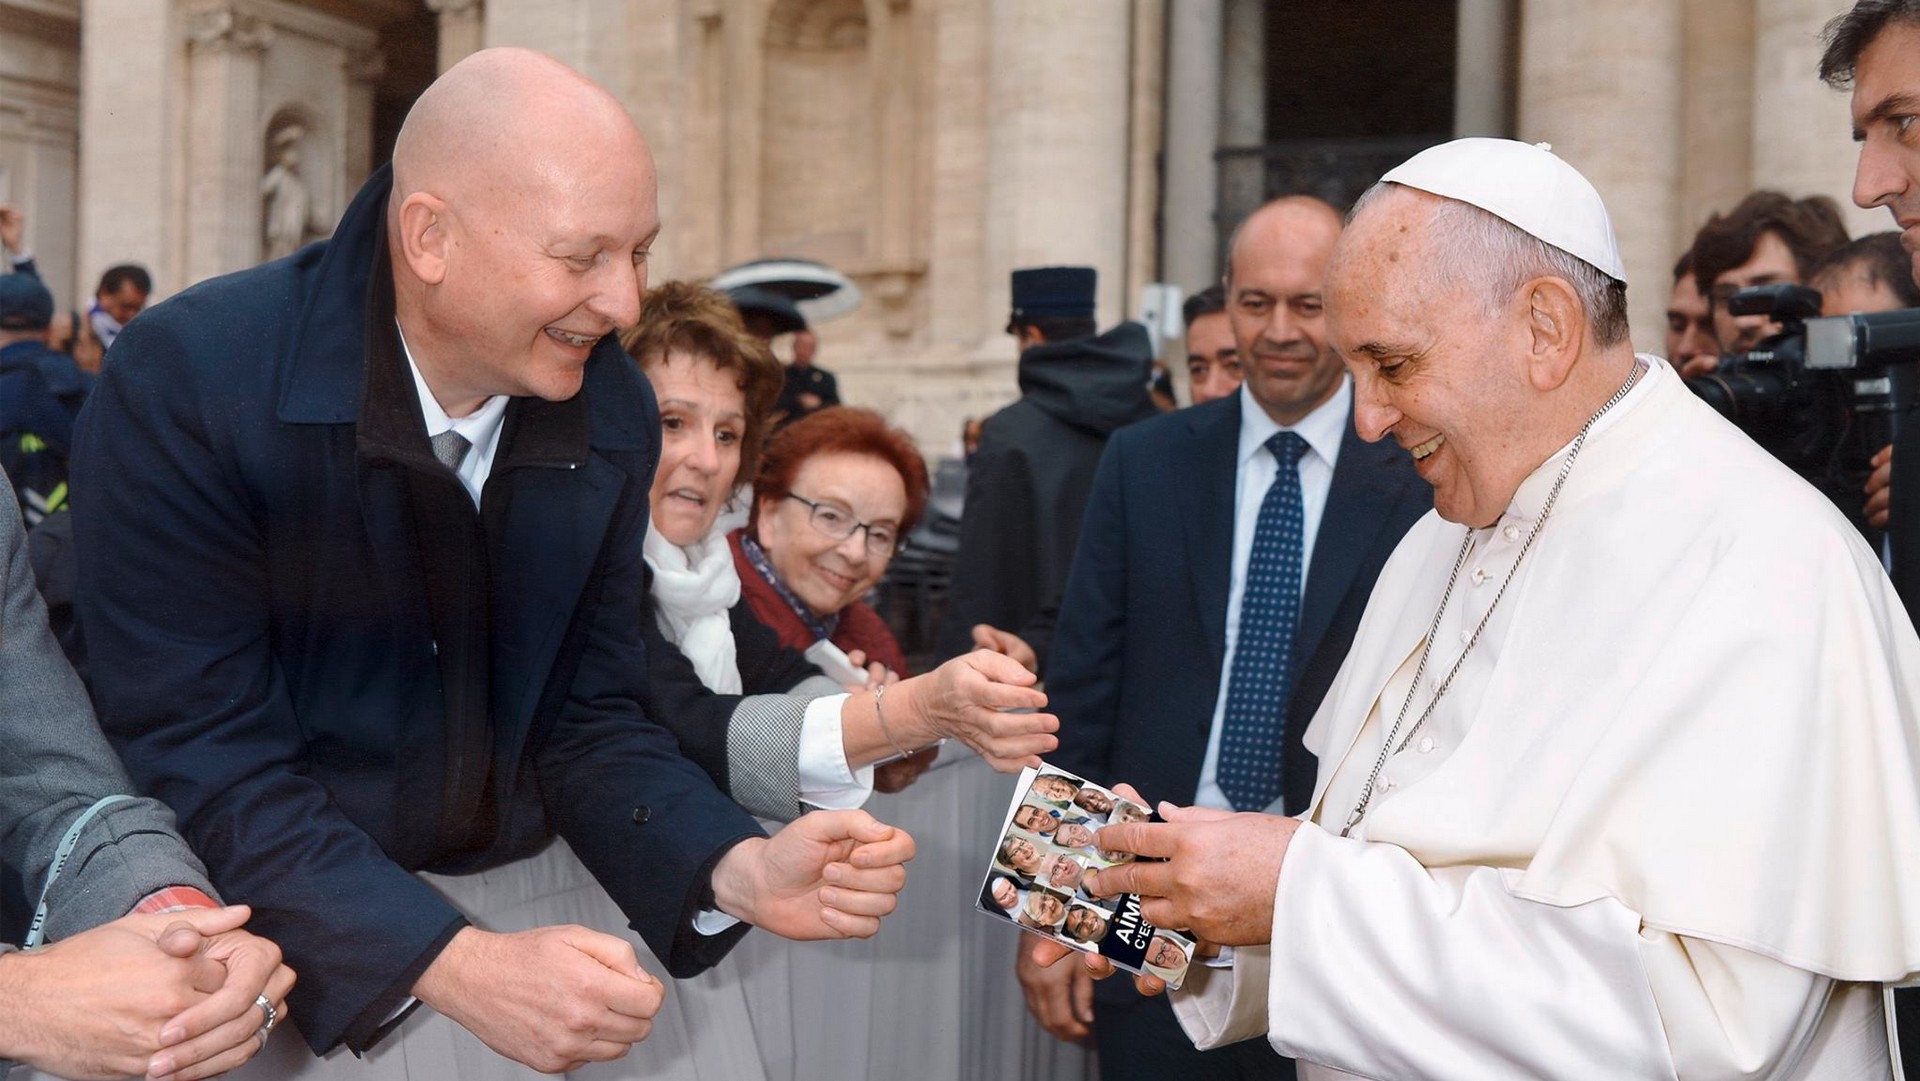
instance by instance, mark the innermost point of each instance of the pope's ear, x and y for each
(1556, 327)
(423, 233)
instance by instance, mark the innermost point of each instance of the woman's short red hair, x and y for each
(842, 429)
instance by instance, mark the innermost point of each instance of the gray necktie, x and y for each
(451, 448)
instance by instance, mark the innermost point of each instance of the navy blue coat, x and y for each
(1137, 657)
(263, 645)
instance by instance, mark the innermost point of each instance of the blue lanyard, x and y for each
(38, 929)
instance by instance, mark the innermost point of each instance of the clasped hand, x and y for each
(169, 995)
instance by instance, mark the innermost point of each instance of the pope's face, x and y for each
(1163, 952)
(1886, 102)
(1430, 369)
(1053, 787)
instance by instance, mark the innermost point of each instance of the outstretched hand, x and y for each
(968, 699)
(826, 874)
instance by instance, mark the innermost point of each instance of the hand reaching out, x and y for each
(827, 874)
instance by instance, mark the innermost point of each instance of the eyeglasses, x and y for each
(839, 523)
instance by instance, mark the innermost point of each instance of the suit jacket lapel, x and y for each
(1357, 502)
(1204, 474)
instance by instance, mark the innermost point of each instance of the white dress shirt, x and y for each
(481, 428)
(1323, 430)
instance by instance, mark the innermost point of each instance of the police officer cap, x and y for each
(25, 303)
(1053, 292)
(1526, 185)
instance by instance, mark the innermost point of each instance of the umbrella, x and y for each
(820, 291)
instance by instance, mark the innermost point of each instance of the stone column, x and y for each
(1611, 107)
(1243, 94)
(1716, 142)
(1190, 257)
(1802, 131)
(127, 129)
(462, 28)
(1483, 68)
(363, 69)
(1146, 140)
(1057, 171)
(224, 150)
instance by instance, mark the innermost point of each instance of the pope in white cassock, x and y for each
(1621, 778)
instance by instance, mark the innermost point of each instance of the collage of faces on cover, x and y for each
(1038, 876)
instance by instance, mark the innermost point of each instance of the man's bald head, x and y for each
(522, 211)
(1287, 219)
(504, 118)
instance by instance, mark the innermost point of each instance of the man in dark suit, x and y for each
(362, 578)
(1197, 636)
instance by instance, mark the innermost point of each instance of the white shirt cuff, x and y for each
(825, 778)
(711, 921)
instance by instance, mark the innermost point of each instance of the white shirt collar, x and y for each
(1323, 429)
(480, 427)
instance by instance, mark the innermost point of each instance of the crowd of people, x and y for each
(445, 615)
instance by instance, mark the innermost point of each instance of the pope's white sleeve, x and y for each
(825, 778)
(1385, 968)
(1219, 1005)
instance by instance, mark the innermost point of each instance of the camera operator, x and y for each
(1768, 239)
(1871, 274)
(1874, 49)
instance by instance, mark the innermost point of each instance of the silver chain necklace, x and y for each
(1388, 748)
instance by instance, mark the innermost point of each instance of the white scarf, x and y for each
(693, 590)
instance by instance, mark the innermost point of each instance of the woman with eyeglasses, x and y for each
(837, 493)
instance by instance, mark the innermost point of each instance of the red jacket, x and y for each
(860, 626)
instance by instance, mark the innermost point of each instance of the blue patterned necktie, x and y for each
(1258, 682)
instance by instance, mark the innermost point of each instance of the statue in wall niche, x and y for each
(287, 202)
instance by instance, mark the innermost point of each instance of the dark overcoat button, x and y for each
(641, 814)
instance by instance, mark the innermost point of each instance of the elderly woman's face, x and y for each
(1006, 894)
(703, 417)
(1021, 854)
(828, 573)
(1045, 908)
